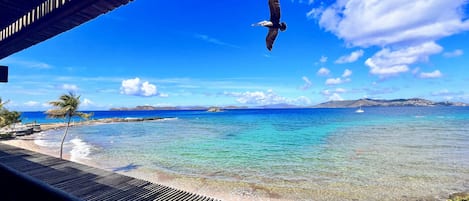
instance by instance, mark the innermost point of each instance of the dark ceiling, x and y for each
(10, 10)
(69, 14)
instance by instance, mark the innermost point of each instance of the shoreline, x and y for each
(223, 190)
(50, 126)
(219, 189)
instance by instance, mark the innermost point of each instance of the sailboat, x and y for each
(359, 110)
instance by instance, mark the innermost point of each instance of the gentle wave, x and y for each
(80, 150)
(168, 119)
(40, 141)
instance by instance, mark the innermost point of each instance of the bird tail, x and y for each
(283, 26)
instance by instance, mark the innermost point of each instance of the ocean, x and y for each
(385, 153)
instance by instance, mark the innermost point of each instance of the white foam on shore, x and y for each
(168, 119)
(40, 141)
(80, 150)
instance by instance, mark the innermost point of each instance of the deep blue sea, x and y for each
(385, 153)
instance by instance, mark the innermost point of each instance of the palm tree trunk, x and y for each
(63, 138)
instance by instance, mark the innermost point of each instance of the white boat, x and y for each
(359, 110)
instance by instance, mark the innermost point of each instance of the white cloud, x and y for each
(332, 81)
(266, 98)
(307, 84)
(455, 53)
(69, 87)
(347, 73)
(434, 74)
(387, 62)
(328, 92)
(336, 81)
(87, 102)
(148, 89)
(323, 71)
(379, 23)
(32, 103)
(406, 30)
(448, 95)
(301, 1)
(323, 59)
(340, 90)
(136, 87)
(354, 56)
(335, 97)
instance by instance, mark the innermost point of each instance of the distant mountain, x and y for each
(385, 103)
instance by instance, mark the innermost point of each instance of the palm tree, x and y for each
(87, 116)
(6, 116)
(65, 107)
(11, 117)
(2, 103)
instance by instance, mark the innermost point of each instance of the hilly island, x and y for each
(365, 102)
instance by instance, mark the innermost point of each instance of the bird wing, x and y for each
(269, 40)
(274, 6)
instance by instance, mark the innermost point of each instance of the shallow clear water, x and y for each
(384, 153)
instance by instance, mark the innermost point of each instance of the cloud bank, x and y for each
(406, 31)
(387, 22)
(266, 98)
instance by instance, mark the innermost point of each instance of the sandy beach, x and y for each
(223, 190)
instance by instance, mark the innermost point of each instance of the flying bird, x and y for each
(274, 24)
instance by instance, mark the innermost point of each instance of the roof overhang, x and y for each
(24, 23)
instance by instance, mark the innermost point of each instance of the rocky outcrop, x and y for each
(214, 109)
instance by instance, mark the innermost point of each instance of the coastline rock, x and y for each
(214, 109)
(459, 196)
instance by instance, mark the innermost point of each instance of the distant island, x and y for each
(366, 102)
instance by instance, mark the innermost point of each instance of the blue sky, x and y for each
(204, 53)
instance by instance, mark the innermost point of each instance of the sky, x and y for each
(206, 53)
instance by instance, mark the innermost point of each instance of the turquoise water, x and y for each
(384, 153)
